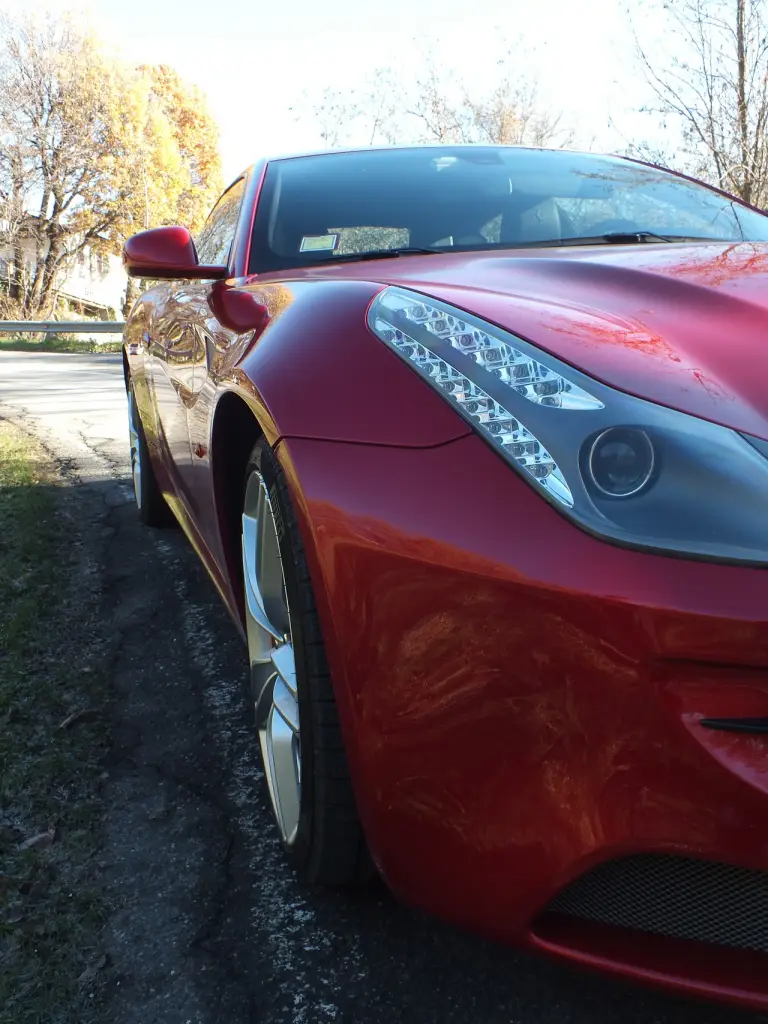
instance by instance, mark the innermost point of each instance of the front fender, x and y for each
(317, 372)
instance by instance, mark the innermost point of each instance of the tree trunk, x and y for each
(743, 116)
(16, 280)
(39, 299)
(132, 293)
(48, 291)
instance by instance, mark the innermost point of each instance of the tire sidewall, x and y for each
(142, 449)
(265, 462)
(153, 510)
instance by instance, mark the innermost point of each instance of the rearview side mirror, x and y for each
(167, 253)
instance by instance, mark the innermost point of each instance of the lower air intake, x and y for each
(675, 896)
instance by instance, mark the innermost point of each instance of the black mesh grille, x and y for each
(687, 899)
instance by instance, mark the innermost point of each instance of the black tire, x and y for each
(152, 507)
(329, 848)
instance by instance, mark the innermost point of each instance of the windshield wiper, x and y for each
(634, 236)
(629, 238)
(609, 238)
(379, 254)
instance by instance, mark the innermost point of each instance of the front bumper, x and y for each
(521, 701)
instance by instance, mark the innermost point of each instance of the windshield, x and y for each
(319, 208)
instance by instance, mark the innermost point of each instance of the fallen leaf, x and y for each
(94, 967)
(43, 839)
(83, 715)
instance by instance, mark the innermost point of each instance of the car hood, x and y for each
(682, 325)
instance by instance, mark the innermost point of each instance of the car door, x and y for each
(171, 350)
(182, 355)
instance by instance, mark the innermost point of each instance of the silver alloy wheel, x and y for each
(133, 433)
(270, 649)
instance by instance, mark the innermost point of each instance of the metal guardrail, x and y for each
(61, 326)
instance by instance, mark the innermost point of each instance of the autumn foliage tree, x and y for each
(195, 137)
(90, 151)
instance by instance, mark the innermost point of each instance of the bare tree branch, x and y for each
(438, 107)
(716, 88)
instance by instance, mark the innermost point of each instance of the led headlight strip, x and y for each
(623, 468)
(391, 313)
(527, 376)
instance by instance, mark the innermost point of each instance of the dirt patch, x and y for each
(169, 830)
(53, 737)
(107, 916)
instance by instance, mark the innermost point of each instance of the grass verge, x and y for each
(58, 343)
(51, 911)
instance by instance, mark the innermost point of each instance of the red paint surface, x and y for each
(520, 701)
(166, 253)
(682, 325)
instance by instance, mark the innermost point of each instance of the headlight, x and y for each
(623, 468)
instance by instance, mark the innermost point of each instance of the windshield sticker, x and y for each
(319, 243)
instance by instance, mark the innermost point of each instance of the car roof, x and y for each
(277, 158)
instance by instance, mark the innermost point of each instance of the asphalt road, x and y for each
(208, 925)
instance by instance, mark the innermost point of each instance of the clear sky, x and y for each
(254, 60)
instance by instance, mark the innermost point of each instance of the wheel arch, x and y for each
(234, 431)
(239, 421)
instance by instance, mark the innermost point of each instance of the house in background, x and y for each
(93, 287)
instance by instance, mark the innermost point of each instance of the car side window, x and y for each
(214, 243)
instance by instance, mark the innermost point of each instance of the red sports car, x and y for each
(473, 441)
